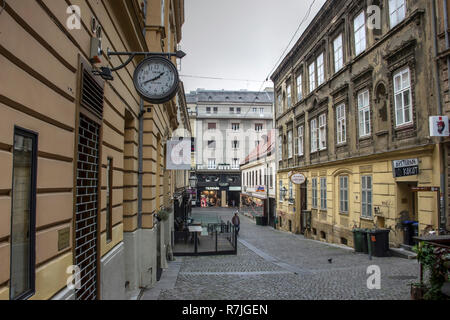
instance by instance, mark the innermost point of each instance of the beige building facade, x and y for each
(353, 100)
(70, 149)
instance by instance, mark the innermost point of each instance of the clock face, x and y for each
(156, 79)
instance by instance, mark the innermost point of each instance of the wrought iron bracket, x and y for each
(179, 54)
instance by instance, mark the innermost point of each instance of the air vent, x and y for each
(92, 95)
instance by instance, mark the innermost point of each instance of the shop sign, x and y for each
(298, 178)
(261, 189)
(224, 185)
(404, 168)
(212, 188)
(235, 189)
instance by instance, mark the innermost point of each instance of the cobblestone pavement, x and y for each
(275, 265)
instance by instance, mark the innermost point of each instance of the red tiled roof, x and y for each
(263, 149)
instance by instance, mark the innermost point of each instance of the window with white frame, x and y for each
(258, 127)
(301, 141)
(322, 131)
(215, 109)
(397, 11)
(314, 134)
(235, 126)
(271, 178)
(314, 193)
(238, 110)
(360, 33)
(341, 124)
(280, 147)
(364, 113)
(312, 76)
(299, 88)
(343, 194)
(323, 193)
(289, 95)
(255, 110)
(235, 144)
(211, 163)
(208, 109)
(280, 196)
(320, 70)
(261, 111)
(290, 153)
(211, 144)
(403, 97)
(291, 192)
(231, 110)
(366, 196)
(280, 104)
(338, 53)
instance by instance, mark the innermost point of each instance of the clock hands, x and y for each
(156, 78)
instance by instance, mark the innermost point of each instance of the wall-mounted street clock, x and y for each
(156, 79)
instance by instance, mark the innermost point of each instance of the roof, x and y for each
(262, 150)
(222, 96)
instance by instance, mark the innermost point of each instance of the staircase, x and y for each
(405, 251)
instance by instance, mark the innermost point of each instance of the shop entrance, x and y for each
(210, 198)
(407, 211)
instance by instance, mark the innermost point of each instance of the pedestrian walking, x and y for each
(236, 222)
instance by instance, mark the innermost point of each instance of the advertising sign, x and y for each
(439, 126)
(298, 178)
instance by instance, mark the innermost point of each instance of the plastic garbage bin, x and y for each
(415, 232)
(364, 240)
(408, 232)
(378, 240)
(258, 221)
(358, 240)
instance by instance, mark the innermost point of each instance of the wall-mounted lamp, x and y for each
(283, 192)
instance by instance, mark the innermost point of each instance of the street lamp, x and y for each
(283, 192)
(193, 182)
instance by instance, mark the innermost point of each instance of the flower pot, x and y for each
(417, 291)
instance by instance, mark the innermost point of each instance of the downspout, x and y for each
(439, 102)
(141, 141)
(447, 46)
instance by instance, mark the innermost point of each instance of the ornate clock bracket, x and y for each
(106, 72)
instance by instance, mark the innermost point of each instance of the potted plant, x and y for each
(162, 215)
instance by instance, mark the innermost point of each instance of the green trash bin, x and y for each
(378, 242)
(358, 240)
(365, 247)
(258, 220)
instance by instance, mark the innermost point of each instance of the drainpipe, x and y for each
(441, 215)
(447, 46)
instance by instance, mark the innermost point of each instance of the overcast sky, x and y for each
(238, 39)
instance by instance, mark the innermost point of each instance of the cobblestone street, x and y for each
(276, 265)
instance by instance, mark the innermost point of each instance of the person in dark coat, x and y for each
(236, 222)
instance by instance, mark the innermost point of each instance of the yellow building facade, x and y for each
(69, 149)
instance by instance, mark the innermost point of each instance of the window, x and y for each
(211, 163)
(301, 150)
(338, 53)
(289, 96)
(109, 188)
(216, 109)
(261, 111)
(280, 104)
(299, 88)
(397, 11)
(279, 191)
(403, 98)
(235, 126)
(257, 142)
(364, 113)
(271, 177)
(323, 193)
(343, 194)
(212, 126)
(312, 76)
(322, 132)
(238, 110)
(255, 110)
(290, 154)
(291, 192)
(314, 193)
(235, 163)
(208, 110)
(366, 196)
(231, 110)
(360, 33)
(235, 144)
(320, 70)
(162, 12)
(212, 144)
(258, 127)
(341, 124)
(280, 147)
(23, 215)
(313, 125)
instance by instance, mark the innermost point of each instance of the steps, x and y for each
(403, 253)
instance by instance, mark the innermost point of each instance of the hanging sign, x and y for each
(298, 178)
(439, 126)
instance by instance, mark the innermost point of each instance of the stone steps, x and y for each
(402, 253)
